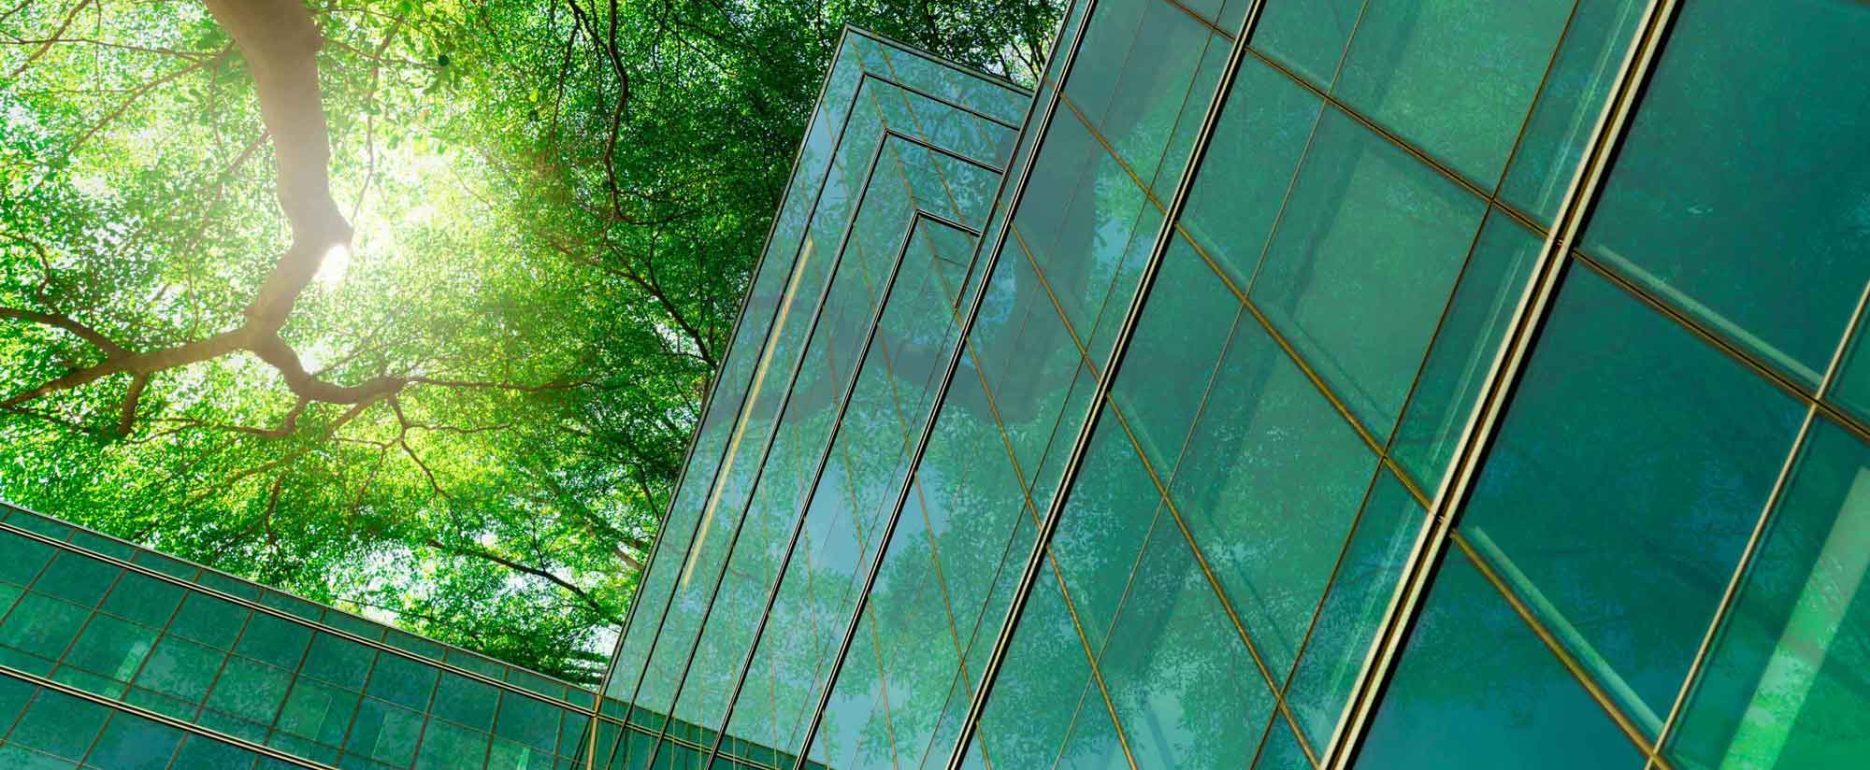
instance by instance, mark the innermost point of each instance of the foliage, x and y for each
(416, 321)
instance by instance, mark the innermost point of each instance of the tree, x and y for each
(405, 306)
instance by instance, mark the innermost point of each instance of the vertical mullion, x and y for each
(1760, 526)
(1101, 391)
(1528, 319)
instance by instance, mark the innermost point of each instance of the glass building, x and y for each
(1324, 384)
(1282, 384)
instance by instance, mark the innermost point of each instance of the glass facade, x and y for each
(1323, 384)
(1286, 384)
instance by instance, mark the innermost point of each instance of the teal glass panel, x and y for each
(1365, 581)
(180, 669)
(249, 690)
(1455, 78)
(1108, 516)
(1028, 717)
(1363, 263)
(1185, 691)
(199, 753)
(1475, 688)
(1174, 352)
(317, 712)
(143, 599)
(1093, 743)
(1625, 479)
(529, 722)
(40, 626)
(1157, 79)
(1272, 480)
(384, 732)
(1576, 93)
(131, 742)
(448, 747)
(22, 558)
(111, 647)
(208, 620)
(1281, 751)
(1851, 389)
(1462, 355)
(1102, 55)
(1738, 193)
(59, 725)
(402, 681)
(1783, 686)
(1194, 112)
(274, 640)
(1237, 195)
(467, 702)
(1308, 36)
(77, 579)
(339, 661)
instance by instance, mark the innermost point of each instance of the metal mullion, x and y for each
(798, 157)
(798, 528)
(740, 315)
(193, 585)
(746, 410)
(1275, 688)
(1604, 700)
(44, 683)
(1136, 564)
(1528, 318)
(963, 345)
(226, 655)
(428, 715)
(1101, 390)
(256, 606)
(1212, 27)
(1810, 399)
(1750, 552)
(960, 68)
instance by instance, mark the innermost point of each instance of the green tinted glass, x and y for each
(1738, 195)
(1783, 685)
(1363, 263)
(1623, 484)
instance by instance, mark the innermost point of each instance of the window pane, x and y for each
(1248, 168)
(1281, 751)
(1625, 479)
(1352, 612)
(133, 743)
(1851, 389)
(1271, 482)
(1045, 671)
(1783, 686)
(1456, 78)
(1175, 350)
(1739, 194)
(1307, 35)
(1362, 264)
(1185, 691)
(1464, 349)
(1476, 689)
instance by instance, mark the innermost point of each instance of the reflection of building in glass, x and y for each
(1382, 383)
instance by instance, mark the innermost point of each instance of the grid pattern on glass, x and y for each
(1717, 466)
(43, 728)
(896, 149)
(161, 645)
(311, 614)
(747, 359)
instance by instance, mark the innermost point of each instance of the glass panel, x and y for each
(1783, 687)
(1766, 244)
(1028, 716)
(1281, 751)
(1174, 353)
(1185, 690)
(1851, 389)
(1271, 482)
(1456, 78)
(1476, 689)
(1491, 286)
(1363, 263)
(1623, 483)
(1308, 35)
(1352, 612)
(1237, 195)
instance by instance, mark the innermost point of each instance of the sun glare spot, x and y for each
(336, 262)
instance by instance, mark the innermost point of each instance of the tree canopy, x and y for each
(406, 306)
